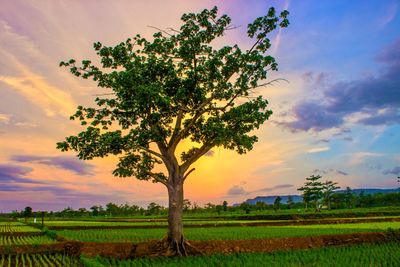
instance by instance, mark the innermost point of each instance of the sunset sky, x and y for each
(338, 115)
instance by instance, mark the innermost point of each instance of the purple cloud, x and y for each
(15, 174)
(395, 171)
(236, 190)
(67, 163)
(368, 95)
(313, 116)
(279, 186)
(239, 190)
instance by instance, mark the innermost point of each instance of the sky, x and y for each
(338, 115)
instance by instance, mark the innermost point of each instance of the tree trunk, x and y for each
(176, 244)
(175, 224)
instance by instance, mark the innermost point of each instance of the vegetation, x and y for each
(25, 240)
(16, 228)
(30, 260)
(225, 233)
(362, 255)
(173, 88)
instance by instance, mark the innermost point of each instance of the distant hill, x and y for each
(298, 198)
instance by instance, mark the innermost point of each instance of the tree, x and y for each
(154, 208)
(328, 189)
(245, 207)
(186, 204)
(290, 202)
(95, 210)
(312, 190)
(172, 88)
(27, 212)
(277, 203)
(349, 198)
(225, 205)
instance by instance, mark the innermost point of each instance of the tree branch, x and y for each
(200, 152)
(158, 179)
(187, 174)
(152, 152)
(172, 142)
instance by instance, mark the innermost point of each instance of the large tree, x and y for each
(172, 88)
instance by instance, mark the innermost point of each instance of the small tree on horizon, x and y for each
(173, 88)
(277, 203)
(290, 202)
(329, 188)
(28, 212)
(312, 191)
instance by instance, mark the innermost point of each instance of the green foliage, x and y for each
(49, 233)
(27, 212)
(175, 87)
(312, 190)
(277, 203)
(225, 205)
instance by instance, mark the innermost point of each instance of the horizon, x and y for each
(338, 116)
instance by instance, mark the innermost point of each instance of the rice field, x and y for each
(17, 228)
(146, 223)
(225, 233)
(25, 240)
(362, 255)
(30, 260)
(356, 255)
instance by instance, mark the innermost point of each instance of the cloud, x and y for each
(67, 163)
(15, 174)
(318, 149)
(267, 189)
(239, 190)
(395, 171)
(37, 90)
(5, 118)
(236, 190)
(318, 171)
(28, 72)
(378, 98)
(360, 157)
(341, 172)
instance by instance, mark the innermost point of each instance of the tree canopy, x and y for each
(175, 87)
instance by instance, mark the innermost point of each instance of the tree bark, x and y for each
(175, 239)
(175, 224)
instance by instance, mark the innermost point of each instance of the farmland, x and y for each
(225, 233)
(363, 255)
(356, 236)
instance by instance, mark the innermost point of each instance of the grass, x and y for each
(146, 223)
(17, 228)
(30, 260)
(362, 255)
(225, 233)
(25, 240)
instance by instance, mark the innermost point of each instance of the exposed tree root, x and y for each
(172, 247)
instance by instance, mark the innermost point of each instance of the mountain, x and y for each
(298, 198)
